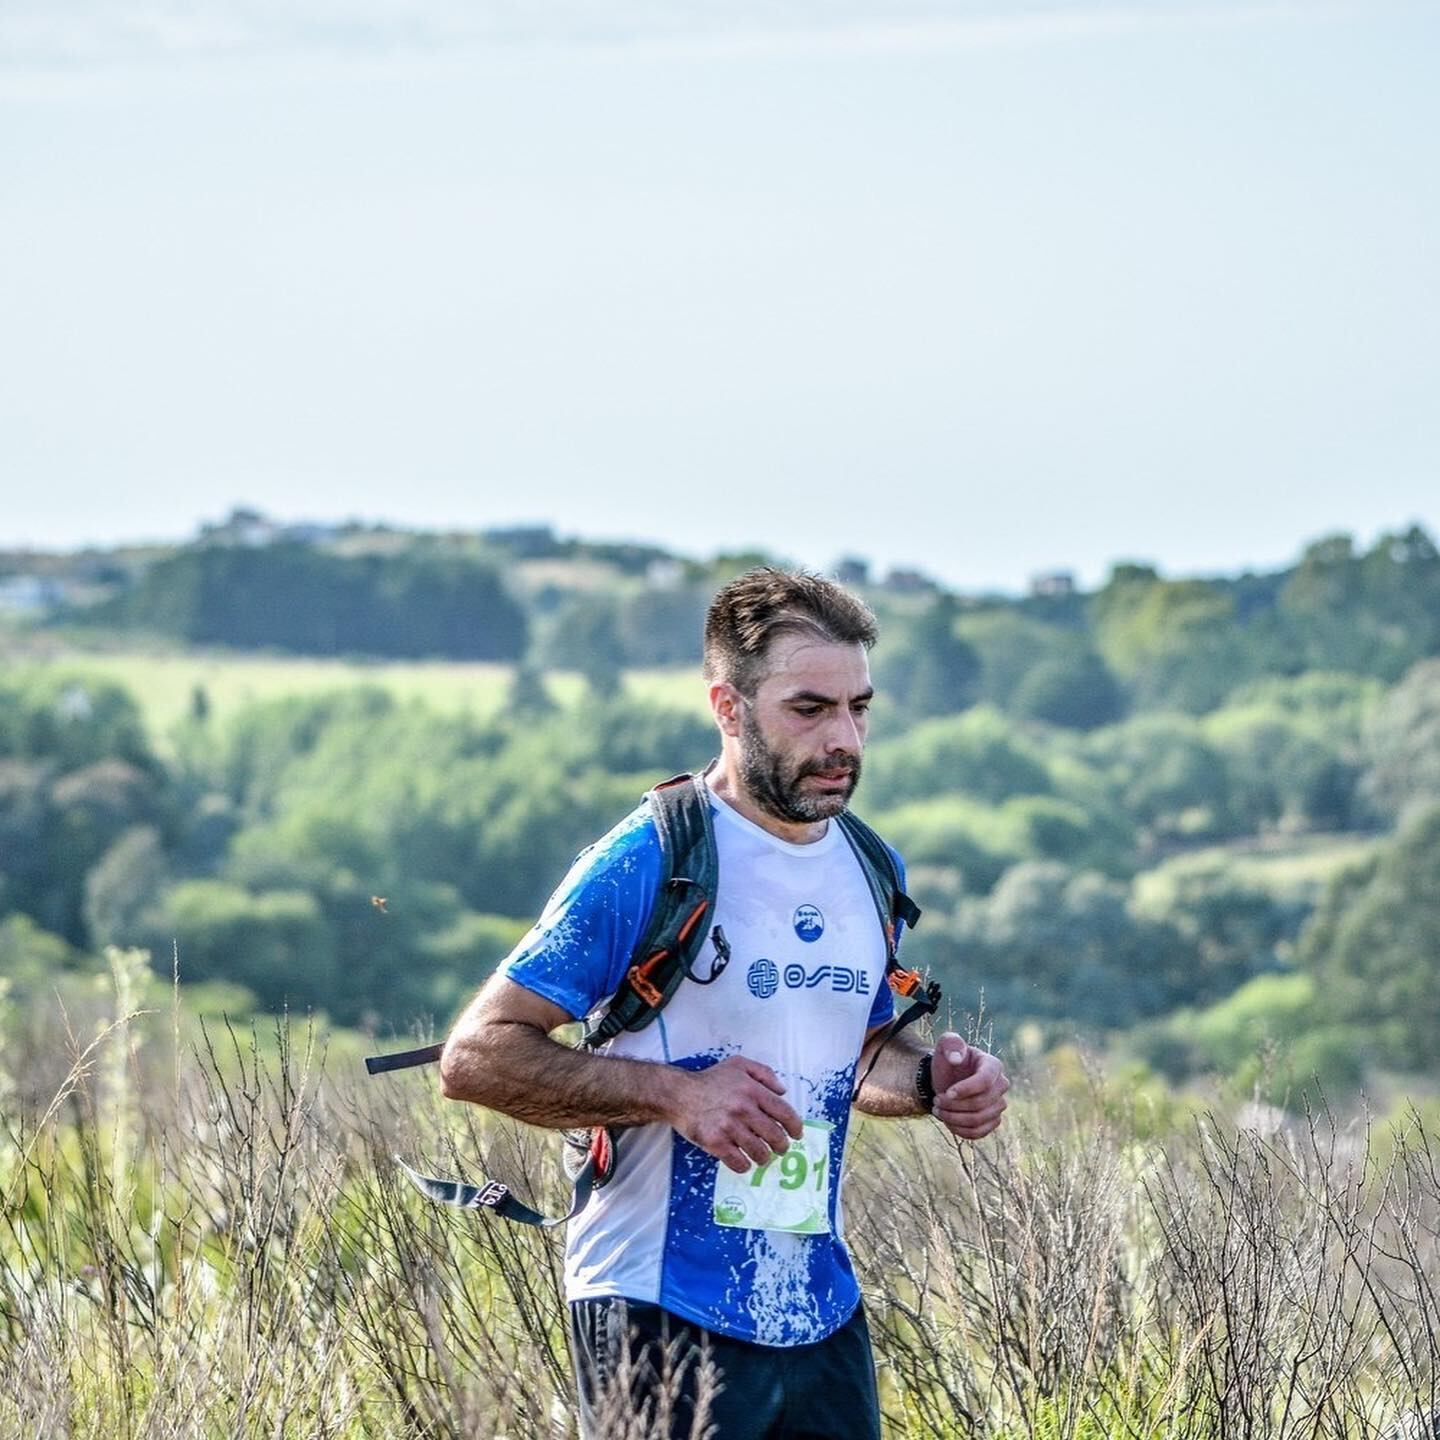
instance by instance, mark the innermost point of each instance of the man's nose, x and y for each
(845, 734)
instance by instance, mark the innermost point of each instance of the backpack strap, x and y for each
(403, 1059)
(594, 1169)
(665, 955)
(677, 928)
(895, 908)
(882, 874)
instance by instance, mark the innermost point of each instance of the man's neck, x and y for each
(725, 783)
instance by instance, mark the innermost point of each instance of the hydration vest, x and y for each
(662, 960)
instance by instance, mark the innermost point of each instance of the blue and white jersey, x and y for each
(805, 981)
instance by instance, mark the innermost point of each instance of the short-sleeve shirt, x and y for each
(804, 983)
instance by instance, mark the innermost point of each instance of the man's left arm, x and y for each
(970, 1083)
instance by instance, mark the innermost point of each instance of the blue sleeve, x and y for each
(578, 951)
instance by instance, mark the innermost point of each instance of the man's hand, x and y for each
(734, 1112)
(970, 1088)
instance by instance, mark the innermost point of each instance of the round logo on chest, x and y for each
(809, 923)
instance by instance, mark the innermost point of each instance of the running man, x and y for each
(722, 1231)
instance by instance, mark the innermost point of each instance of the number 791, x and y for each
(794, 1170)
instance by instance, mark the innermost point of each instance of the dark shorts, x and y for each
(644, 1372)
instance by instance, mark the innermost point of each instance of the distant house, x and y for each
(75, 704)
(1052, 583)
(23, 595)
(909, 582)
(252, 529)
(244, 527)
(664, 574)
(523, 542)
(309, 533)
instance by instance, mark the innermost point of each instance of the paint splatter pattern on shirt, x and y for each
(650, 1235)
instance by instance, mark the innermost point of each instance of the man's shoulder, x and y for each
(861, 827)
(576, 952)
(631, 846)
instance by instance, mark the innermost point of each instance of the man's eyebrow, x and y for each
(814, 697)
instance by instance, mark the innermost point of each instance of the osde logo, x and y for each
(763, 979)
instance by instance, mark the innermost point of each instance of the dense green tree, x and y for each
(1336, 703)
(1058, 944)
(974, 841)
(421, 601)
(1008, 645)
(250, 760)
(55, 826)
(1175, 642)
(980, 754)
(1235, 928)
(1073, 687)
(1039, 670)
(25, 822)
(1282, 771)
(1374, 614)
(585, 636)
(928, 669)
(71, 719)
(33, 957)
(1164, 774)
(276, 944)
(1267, 1036)
(527, 696)
(123, 885)
(1403, 743)
(375, 858)
(1373, 942)
(662, 625)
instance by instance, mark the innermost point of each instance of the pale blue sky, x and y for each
(984, 289)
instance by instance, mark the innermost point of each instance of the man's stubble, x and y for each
(774, 783)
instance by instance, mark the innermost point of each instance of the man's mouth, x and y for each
(842, 775)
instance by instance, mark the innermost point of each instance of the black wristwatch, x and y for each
(924, 1083)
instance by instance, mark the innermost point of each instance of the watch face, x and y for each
(924, 1082)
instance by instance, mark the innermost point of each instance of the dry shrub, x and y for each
(222, 1246)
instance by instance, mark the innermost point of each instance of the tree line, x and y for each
(373, 859)
(1140, 642)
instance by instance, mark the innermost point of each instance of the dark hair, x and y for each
(748, 613)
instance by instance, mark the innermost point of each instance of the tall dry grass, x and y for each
(219, 1245)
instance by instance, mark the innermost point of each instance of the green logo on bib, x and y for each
(730, 1211)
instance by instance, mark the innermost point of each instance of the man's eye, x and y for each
(809, 711)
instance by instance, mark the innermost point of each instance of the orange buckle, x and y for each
(905, 982)
(641, 983)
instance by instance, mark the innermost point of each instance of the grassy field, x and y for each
(164, 684)
(218, 1243)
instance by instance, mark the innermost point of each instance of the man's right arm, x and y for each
(500, 1055)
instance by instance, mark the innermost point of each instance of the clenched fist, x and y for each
(734, 1112)
(970, 1088)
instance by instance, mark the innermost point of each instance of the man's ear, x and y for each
(725, 703)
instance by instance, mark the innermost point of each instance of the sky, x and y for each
(980, 289)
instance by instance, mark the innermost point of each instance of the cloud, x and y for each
(66, 33)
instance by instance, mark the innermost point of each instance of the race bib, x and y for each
(788, 1192)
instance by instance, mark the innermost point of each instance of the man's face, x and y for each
(803, 731)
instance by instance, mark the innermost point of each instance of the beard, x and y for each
(775, 783)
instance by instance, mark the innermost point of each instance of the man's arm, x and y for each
(970, 1084)
(500, 1055)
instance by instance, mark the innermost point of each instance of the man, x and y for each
(720, 1234)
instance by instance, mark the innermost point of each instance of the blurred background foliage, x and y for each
(1197, 821)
